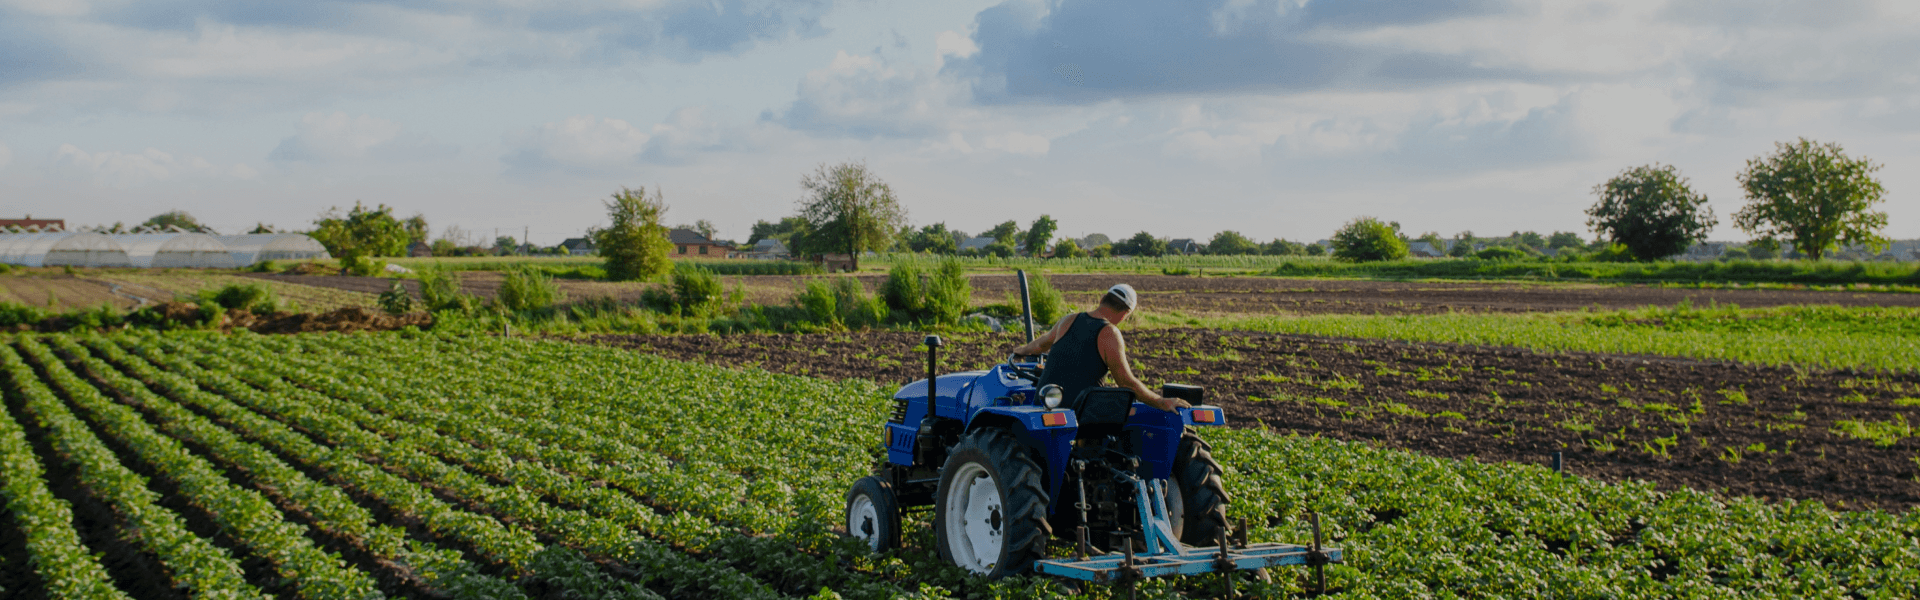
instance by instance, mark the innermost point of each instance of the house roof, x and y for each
(977, 243)
(687, 236)
(769, 245)
(577, 242)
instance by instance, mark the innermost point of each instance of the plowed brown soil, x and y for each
(1768, 432)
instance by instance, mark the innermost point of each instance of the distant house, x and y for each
(578, 246)
(1183, 246)
(31, 224)
(1424, 249)
(834, 263)
(418, 249)
(768, 249)
(688, 243)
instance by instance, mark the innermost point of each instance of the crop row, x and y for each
(54, 547)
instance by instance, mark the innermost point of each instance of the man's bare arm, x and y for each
(1113, 350)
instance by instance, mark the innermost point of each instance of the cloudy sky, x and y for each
(1274, 118)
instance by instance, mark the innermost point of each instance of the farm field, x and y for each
(335, 466)
(1766, 431)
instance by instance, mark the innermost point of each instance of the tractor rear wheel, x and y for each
(990, 511)
(1203, 495)
(872, 514)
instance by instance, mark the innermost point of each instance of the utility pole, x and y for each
(526, 245)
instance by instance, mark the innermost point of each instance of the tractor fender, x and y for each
(1048, 433)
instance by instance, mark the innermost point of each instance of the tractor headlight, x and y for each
(1051, 395)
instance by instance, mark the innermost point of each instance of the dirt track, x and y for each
(1615, 418)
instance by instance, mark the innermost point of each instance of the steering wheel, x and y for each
(1013, 366)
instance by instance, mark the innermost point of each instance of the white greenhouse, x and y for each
(261, 247)
(175, 250)
(76, 249)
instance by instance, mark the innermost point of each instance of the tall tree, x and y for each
(417, 230)
(1231, 242)
(933, 238)
(1651, 211)
(1369, 239)
(1565, 239)
(1815, 196)
(1039, 235)
(1141, 244)
(176, 218)
(634, 243)
(362, 232)
(851, 210)
(1004, 233)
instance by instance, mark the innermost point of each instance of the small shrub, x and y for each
(440, 290)
(1367, 239)
(526, 288)
(657, 299)
(1048, 304)
(265, 266)
(13, 314)
(904, 292)
(819, 302)
(362, 266)
(856, 308)
(396, 300)
(254, 297)
(948, 293)
(695, 289)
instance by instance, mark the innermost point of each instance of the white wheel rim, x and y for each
(976, 519)
(863, 520)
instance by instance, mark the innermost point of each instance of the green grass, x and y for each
(1872, 338)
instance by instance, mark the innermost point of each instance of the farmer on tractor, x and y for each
(1086, 346)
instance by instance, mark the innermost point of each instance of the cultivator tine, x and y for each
(1084, 548)
(1240, 533)
(1129, 573)
(1315, 558)
(1224, 565)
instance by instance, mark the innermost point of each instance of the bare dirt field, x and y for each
(1768, 432)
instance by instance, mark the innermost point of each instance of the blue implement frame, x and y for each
(1165, 555)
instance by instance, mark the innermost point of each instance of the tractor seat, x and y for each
(1102, 411)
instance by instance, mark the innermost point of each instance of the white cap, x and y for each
(1126, 294)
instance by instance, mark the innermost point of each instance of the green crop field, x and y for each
(332, 466)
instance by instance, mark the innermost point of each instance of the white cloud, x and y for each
(336, 136)
(863, 96)
(1017, 143)
(6, 155)
(124, 170)
(583, 143)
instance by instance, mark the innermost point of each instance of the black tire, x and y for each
(1203, 494)
(1021, 513)
(879, 526)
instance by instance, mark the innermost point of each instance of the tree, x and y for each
(1565, 239)
(1280, 247)
(175, 218)
(1368, 239)
(363, 232)
(787, 230)
(1141, 244)
(634, 243)
(1231, 242)
(1530, 239)
(706, 228)
(1006, 232)
(1068, 249)
(1650, 210)
(1095, 240)
(1039, 235)
(850, 210)
(934, 239)
(1813, 195)
(504, 245)
(417, 230)
(1316, 250)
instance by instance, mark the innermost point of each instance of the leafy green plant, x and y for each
(818, 299)
(1881, 433)
(396, 300)
(696, 290)
(253, 297)
(525, 288)
(949, 294)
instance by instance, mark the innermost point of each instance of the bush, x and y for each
(440, 290)
(13, 314)
(361, 266)
(1102, 251)
(904, 292)
(949, 293)
(527, 288)
(1068, 249)
(1366, 239)
(254, 297)
(695, 289)
(396, 300)
(634, 244)
(819, 302)
(657, 299)
(1501, 253)
(1733, 254)
(1048, 304)
(856, 308)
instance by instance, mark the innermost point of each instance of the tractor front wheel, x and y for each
(872, 514)
(990, 512)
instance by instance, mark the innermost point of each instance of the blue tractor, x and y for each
(1007, 466)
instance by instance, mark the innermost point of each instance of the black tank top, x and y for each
(1074, 363)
